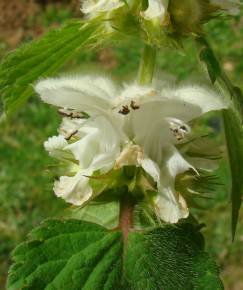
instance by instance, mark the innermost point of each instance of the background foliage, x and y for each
(26, 195)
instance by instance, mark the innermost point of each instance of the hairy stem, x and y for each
(147, 65)
(145, 76)
(126, 216)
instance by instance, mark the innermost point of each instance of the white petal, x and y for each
(147, 123)
(157, 136)
(69, 126)
(207, 100)
(91, 6)
(106, 85)
(84, 149)
(55, 146)
(99, 144)
(55, 142)
(170, 206)
(135, 92)
(149, 126)
(156, 9)
(75, 190)
(90, 94)
(151, 168)
(174, 163)
(153, 108)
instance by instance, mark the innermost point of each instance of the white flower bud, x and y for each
(55, 143)
(156, 9)
(94, 7)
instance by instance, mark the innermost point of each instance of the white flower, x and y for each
(231, 6)
(55, 143)
(56, 147)
(156, 9)
(98, 145)
(95, 146)
(75, 190)
(134, 125)
(94, 7)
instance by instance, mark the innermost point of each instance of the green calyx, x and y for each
(188, 16)
(111, 191)
(123, 21)
(180, 18)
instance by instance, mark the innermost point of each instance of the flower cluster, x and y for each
(155, 8)
(158, 22)
(107, 127)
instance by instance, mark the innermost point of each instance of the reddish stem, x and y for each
(126, 216)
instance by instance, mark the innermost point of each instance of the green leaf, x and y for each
(234, 139)
(105, 213)
(218, 76)
(41, 58)
(213, 67)
(68, 254)
(233, 119)
(72, 254)
(169, 258)
(206, 274)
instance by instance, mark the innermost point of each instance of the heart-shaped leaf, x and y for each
(72, 254)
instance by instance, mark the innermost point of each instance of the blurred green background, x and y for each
(26, 195)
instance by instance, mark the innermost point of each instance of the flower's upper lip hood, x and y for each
(75, 93)
(99, 95)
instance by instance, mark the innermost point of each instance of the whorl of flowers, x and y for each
(155, 8)
(107, 127)
(158, 22)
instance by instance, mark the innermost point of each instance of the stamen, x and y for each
(71, 135)
(124, 111)
(72, 114)
(178, 129)
(134, 106)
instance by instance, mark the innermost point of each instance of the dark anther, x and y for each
(184, 128)
(134, 106)
(71, 135)
(71, 114)
(124, 111)
(64, 114)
